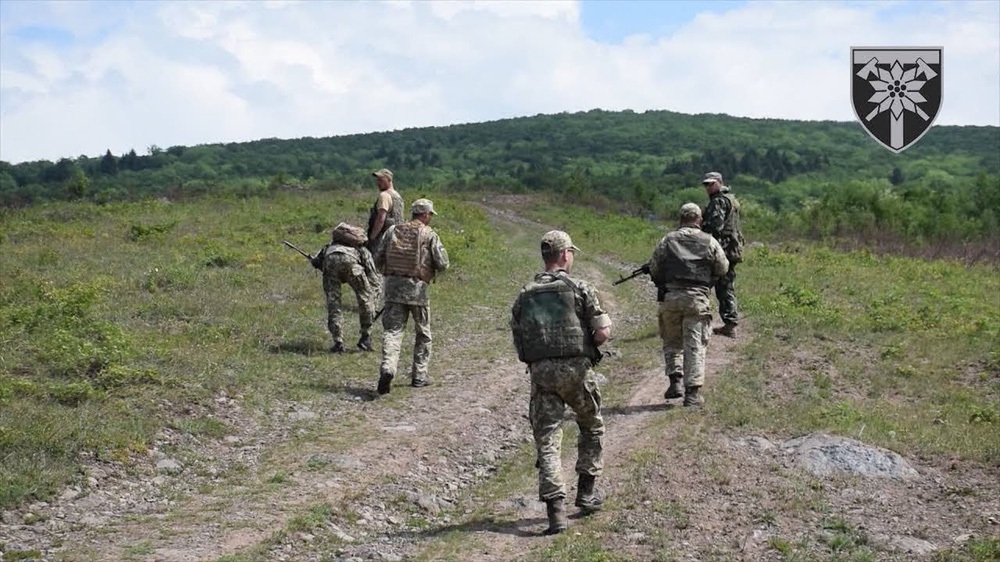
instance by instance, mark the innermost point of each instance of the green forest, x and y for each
(796, 178)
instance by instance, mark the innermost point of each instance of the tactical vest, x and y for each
(689, 261)
(732, 226)
(393, 217)
(731, 237)
(406, 255)
(549, 325)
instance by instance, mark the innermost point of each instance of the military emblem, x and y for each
(896, 92)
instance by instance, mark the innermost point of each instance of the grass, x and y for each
(118, 321)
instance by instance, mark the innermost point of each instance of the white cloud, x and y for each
(191, 73)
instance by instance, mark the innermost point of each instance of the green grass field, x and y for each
(118, 321)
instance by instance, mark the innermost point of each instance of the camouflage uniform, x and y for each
(354, 266)
(718, 220)
(683, 265)
(408, 295)
(561, 381)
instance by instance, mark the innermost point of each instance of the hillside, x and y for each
(165, 394)
(791, 173)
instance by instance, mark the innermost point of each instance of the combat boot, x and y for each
(384, 382)
(674, 390)
(587, 499)
(338, 347)
(692, 396)
(728, 330)
(365, 343)
(556, 510)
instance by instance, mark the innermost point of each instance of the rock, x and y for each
(909, 545)
(429, 504)
(824, 455)
(169, 466)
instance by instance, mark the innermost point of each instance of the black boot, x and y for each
(365, 343)
(729, 330)
(384, 382)
(674, 390)
(558, 522)
(587, 499)
(692, 396)
(338, 347)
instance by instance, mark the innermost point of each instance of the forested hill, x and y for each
(946, 184)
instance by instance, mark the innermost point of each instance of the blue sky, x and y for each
(82, 77)
(611, 21)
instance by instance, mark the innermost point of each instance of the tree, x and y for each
(897, 176)
(109, 164)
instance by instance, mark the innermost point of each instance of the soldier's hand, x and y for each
(645, 268)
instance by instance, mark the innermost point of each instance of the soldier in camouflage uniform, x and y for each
(340, 264)
(409, 255)
(685, 264)
(722, 221)
(558, 323)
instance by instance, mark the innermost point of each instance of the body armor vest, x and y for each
(689, 261)
(393, 217)
(406, 254)
(731, 228)
(549, 325)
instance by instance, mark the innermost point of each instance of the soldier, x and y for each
(558, 323)
(722, 221)
(346, 260)
(387, 210)
(685, 264)
(409, 255)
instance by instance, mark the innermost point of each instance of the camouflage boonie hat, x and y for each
(690, 211)
(421, 206)
(712, 177)
(556, 240)
(383, 173)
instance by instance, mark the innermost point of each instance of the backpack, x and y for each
(349, 235)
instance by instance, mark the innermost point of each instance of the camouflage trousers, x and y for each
(394, 317)
(555, 384)
(354, 276)
(725, 292)
(685, 319)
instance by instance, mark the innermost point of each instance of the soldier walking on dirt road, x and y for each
(722, 221)
(558, 324)
(409, 255)
(685, 264)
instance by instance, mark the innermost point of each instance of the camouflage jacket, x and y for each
(721, 219)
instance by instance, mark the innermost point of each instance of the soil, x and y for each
(706, 495)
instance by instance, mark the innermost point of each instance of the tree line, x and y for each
(818, 178)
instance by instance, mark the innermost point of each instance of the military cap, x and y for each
(711, 177)
(556, 241)
(421, 206)
(690, 211)
(383, 173)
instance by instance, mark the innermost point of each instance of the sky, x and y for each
(83, 77)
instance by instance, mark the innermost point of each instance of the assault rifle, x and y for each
(642, 270)
(310, 257)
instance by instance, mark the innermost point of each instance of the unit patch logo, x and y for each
(896, 92)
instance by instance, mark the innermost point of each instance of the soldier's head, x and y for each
(422, 210)
(712, 182)
(558, 250)
(690, 215)
(383, 178)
